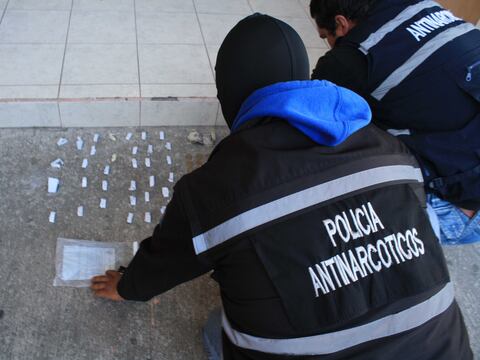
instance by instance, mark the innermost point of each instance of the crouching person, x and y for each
(312, 220)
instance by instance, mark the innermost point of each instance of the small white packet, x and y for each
(52, 217)
(53, 184)
(133, 185)
(79, 143)
(106, 171)
(84, 163)
(150, 149)
(134, 163)
(62, 141)
(162, 135)
(169, 160)
(147, 196)
(129, 136)
(93, 150)
(152, 181)
(144, 135)
(165, 192)
(133, 200)
(170, 177)
(162, 209)
(103, 203)
(80, 211)
(130, 218)
(104, 185)
(168, 146)
(95, 138)
(57, 164)
(84, 182)
(148, 218)
(134, 150)
(148, 163)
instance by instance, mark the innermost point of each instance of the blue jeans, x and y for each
(455, 227)
(212, 335)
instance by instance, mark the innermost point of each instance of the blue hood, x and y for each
(326, 113)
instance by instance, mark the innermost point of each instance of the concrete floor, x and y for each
(39, 321)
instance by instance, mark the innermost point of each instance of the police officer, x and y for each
(312, 220)
(418, 66)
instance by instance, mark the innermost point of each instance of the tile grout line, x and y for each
(138, 64)
(250, 6)
(65, 52)
(204, 40)
(4, 11)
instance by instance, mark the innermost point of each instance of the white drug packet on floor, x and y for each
(103, 203)
(133, 200)
(93, 150)
(130, 218)
(152, 181)
(162, 209)
(148, 218)
(62, 141)
(53, 184)
(144, 135)
(79, 143)
(52, 216)
(104, 185)
(169, 160)
(80, 211)
(96, 137)
(129, 136)
(170, 177)
(133, 186)
(147, 196)
(150, 149)
(57, 164)
(84, 182)
(84, 163)
(106, 171)
(148, 162)
(134, 150)
(162, 135)
(134, 163)
(165, 192)
(168, 146)
(77, 261)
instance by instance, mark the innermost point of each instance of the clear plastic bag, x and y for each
(77, 261)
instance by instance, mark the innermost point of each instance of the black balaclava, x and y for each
(259, 51)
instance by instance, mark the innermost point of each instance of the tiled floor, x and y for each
(58, 57)
(56, 49)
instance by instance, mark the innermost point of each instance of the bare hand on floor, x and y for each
(105, 286)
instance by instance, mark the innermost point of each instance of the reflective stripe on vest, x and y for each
(303, 199)
(419, 57)
(393, 24)
(333, 342)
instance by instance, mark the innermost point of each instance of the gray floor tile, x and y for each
(100, 64)
(216, 26)
(102, 27)
(32, 26)
(223, 7)
(113, 5)
(290, 8)
(40, 4)
(165, 28)
(172, 64)
(25, 64)
(165, 5)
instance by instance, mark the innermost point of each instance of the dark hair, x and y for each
(324, 11)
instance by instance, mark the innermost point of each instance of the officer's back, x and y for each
(313, 220)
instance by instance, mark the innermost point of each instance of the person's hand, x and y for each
(105, 286)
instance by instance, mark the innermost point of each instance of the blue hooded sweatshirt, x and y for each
(326, 113)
